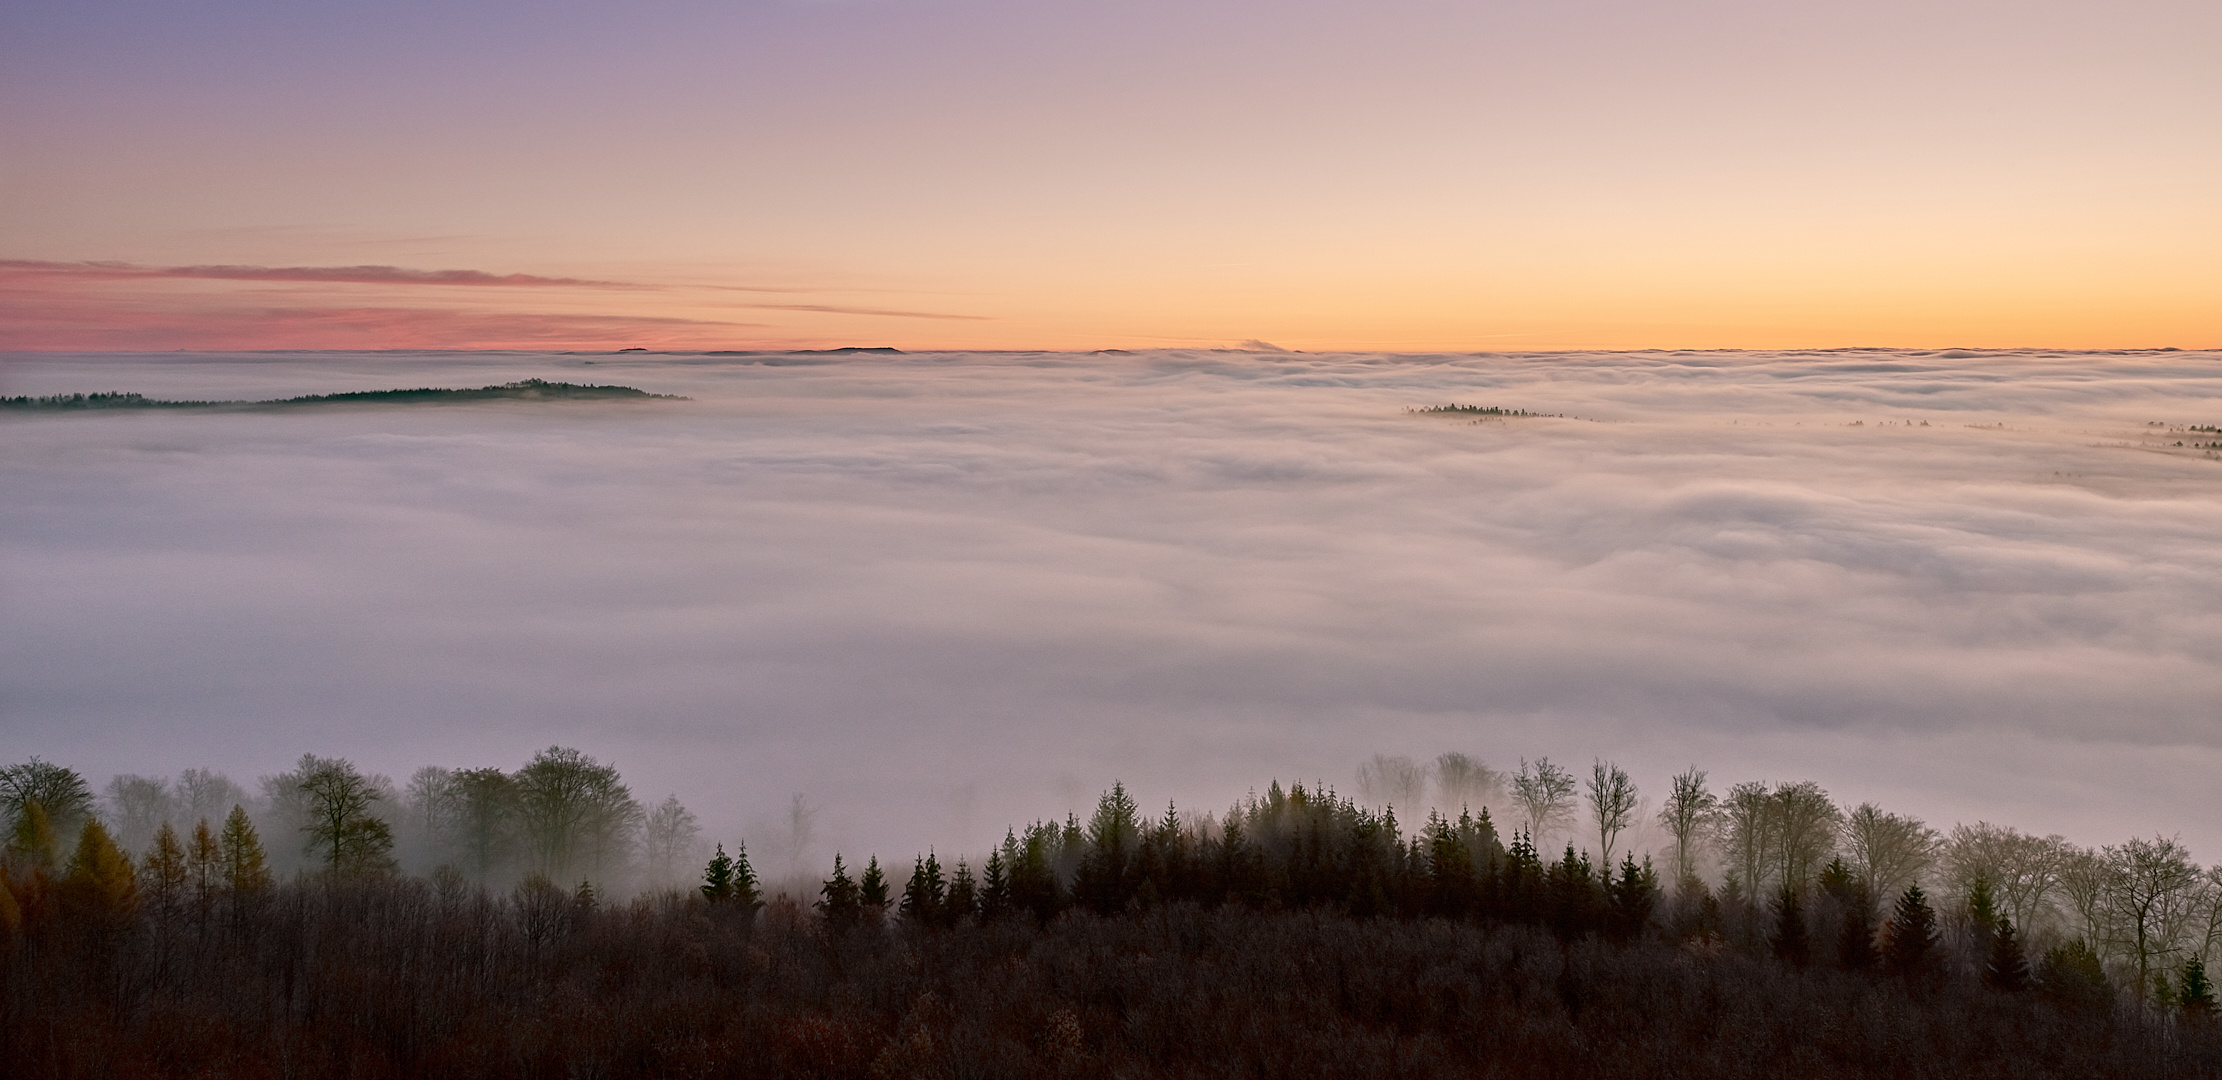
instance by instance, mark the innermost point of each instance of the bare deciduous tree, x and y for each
(58, 789)
(1691, 814)
(2153, 889)
(1889, 851)
(1805, 825)
(2086, 880)
(206, 795)
(138, 806)
(667, 841)
(1748, 836)
(1463, 782)
(1545, 793)
(577, 813)
(1612, 805)
(1393, 781)
(2023, 870)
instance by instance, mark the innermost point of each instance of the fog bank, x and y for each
(937, 594)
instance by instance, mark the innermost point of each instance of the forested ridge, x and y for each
(523, 390)
(544, 922)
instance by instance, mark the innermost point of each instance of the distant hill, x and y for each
(528, 390)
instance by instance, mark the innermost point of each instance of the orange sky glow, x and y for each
(988, 175)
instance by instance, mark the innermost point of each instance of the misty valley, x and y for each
(1054, 714)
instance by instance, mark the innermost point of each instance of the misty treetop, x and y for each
(1302, 932)
(1776, 868)
(562, 815)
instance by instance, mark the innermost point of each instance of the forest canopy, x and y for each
(1539, 908)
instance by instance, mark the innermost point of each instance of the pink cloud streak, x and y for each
(365, 275)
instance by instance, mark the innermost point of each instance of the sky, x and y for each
(938, 594)
(1407, 175)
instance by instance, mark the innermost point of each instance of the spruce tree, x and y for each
(871, 890)
(2072, 974)
(1912, 934)
(2007, 969)
(1632, 896)
(1982, 914)
(246, 869)
(995, 888)
(839, 903)
(717, 878)
(1855, 939)
(963, 901)
(1855, 943)
(1791, 942)
(746, 893)
(919, 904)
(2195, 993)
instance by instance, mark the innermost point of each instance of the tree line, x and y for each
(110, 911)
(561, 815)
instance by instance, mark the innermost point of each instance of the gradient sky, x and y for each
(984, 174)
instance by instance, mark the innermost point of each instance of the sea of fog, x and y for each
(937, 594)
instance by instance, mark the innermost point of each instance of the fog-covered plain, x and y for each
(936, 594)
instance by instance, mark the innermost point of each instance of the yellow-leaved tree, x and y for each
(100, 883)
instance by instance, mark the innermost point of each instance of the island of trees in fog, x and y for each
(524, 390)
(544, 921)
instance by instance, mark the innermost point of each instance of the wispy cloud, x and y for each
(358, 275)
(56, 324)
(836, 309)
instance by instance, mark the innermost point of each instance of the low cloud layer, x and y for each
(939, 593)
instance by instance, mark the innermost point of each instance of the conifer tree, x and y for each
(2072, 973)
(204, 864)
(1855, 943)
(246, 868)
(165, 869)
(100, 880)
(31, 842)
(1855, 939)
(995, 887)
(746, 894)
(871, 890)
(963, 901)
(2196, 993)
(1632, 896)
(1912, 934)
(923, 895)
(2006, 969)
(717, 878)
(839, 902)
(1791, 943)
(1982, 914)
